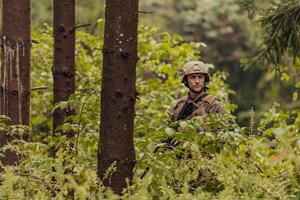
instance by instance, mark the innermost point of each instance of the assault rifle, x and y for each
(188, 108)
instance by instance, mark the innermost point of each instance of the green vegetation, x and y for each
(217, 157)
(225, 161)
(229, 37)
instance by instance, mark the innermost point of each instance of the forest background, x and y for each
(260, 151)
(229, 37)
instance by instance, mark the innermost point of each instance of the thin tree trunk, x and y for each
(64, 58)
(118, 93)
(63, 66)
(15, 68)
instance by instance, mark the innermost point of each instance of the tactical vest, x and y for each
(206, 104)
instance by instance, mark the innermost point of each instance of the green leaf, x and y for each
(170, 131)
(285, 77)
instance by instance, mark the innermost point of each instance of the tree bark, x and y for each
(64, 58)
(118, 93)
(15, 68)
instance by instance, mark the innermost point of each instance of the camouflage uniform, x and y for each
(204, 102)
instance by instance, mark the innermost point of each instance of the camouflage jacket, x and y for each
(205, 104)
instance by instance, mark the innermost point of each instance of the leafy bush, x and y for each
(212, 157)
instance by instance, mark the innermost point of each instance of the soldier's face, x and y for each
(196, 82)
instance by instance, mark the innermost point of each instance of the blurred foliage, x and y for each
(42, 11)
(280, 25)
(278, 50)
(213, 155)
(227, 35)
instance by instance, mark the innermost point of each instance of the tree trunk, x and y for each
(64, 58)
(15, 68)
(118, 93)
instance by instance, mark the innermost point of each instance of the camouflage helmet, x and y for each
(194, 67)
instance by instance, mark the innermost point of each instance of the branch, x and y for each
(39, 88)
(259, 168)
(35, 41)
(146, 12)
(80, 26)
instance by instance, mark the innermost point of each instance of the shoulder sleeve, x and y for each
(175, 110)
(214, 104)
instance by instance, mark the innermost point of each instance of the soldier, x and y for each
(198, 102)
